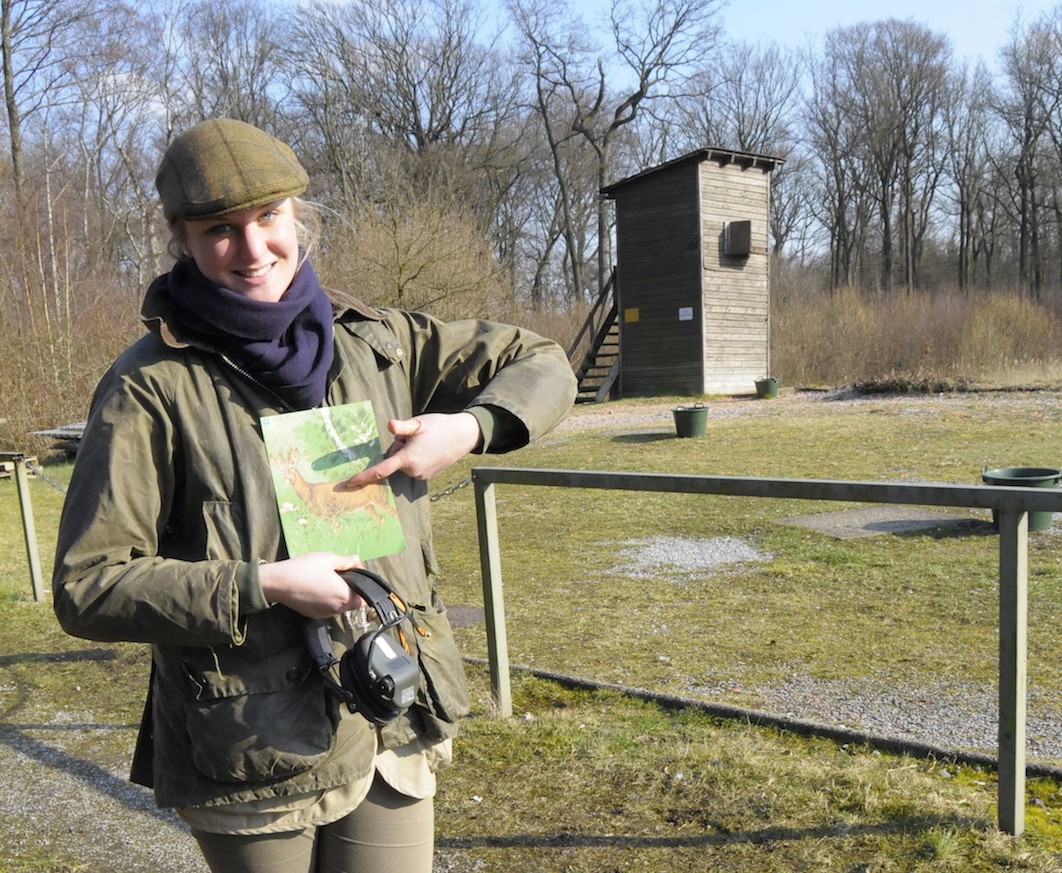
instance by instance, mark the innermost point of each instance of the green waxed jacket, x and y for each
(171, 508)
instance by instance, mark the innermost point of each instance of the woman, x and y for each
(171, 533)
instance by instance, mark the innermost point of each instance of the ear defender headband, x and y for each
(377, 677)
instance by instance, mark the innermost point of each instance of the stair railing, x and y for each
(596, 324)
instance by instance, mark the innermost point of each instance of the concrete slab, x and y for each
(873, 520)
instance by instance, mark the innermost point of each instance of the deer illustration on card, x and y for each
(310, 453)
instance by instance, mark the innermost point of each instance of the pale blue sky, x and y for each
(977, 28)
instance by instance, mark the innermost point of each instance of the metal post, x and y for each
(1013, 638)
(493, 601)
(28, 526)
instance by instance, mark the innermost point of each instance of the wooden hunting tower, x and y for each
(692, 292)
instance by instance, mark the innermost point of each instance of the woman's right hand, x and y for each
(310, 584)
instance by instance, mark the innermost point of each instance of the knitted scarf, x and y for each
(286, 345)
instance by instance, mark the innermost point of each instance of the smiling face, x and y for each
(253, 252)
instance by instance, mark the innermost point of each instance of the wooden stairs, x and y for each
(597, 349)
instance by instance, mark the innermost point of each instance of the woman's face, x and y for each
(253, 252)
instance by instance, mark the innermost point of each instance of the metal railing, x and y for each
(596, 324)
(1011, 503)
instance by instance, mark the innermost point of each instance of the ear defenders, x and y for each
(377, 677)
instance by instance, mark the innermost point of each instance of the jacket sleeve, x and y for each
(522, 380)
(111, 580)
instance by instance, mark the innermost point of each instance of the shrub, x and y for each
(847, 336)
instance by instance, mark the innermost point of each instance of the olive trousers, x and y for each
(387, 833)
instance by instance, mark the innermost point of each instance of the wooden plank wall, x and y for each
(736, 308)
(659, 274)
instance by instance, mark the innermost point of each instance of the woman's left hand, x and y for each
(424, 446)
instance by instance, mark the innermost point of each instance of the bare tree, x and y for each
(749, 99)
(415, 74)
(112, 125)
(551, 49)
(654, 45)
(402, 81)
(231, 62)
(890, 84)
(1031, 105)
(745, 99)
(418, 255)
(38, 39)
(1026, 104)
(969, 162)
(428, 79)
(521, 208)
(328, 96)
(842, 205)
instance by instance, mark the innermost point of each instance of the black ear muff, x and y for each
(377, 676)
(381, 676)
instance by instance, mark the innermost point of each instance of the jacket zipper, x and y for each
(257, 383)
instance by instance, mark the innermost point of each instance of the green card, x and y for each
(310, 452)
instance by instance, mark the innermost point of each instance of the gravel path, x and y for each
(60, 805)
(652, 413)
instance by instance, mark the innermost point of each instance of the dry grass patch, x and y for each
(848, 336)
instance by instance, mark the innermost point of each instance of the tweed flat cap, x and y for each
(223, 165)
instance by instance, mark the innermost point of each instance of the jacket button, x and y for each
(292, 674)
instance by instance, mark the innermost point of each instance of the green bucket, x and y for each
(691, 421)
(767, 387)
(1024, 477)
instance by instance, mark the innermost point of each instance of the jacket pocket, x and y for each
(444, 692)
(261, 721)
(224, 523)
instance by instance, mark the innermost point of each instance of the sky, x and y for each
(977, 28)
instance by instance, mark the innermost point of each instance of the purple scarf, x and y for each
(286, 345)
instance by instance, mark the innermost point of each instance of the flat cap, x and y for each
(223, 165)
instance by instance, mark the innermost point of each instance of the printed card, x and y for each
(310, 453)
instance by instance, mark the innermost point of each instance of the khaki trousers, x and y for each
(387, 833)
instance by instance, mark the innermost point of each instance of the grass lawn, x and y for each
(598, 781)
